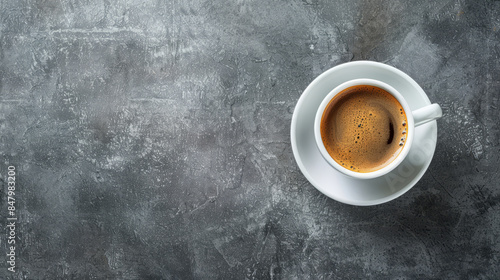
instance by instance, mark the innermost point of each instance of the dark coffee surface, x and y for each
(364, 128)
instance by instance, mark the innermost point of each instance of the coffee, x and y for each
(363, 128)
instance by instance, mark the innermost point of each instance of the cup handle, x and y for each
(427, 114)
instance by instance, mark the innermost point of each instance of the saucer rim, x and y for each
(304, 96)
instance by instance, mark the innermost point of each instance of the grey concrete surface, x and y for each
(151, 140)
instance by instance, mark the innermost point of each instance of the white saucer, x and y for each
(337, 185)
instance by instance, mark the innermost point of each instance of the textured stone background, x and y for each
(151, 139)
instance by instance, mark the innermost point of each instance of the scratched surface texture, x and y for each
(151, 140)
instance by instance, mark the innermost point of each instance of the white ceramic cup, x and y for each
(414, 118)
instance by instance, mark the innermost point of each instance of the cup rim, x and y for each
(410, 126)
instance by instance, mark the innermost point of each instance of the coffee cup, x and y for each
(364, 128)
